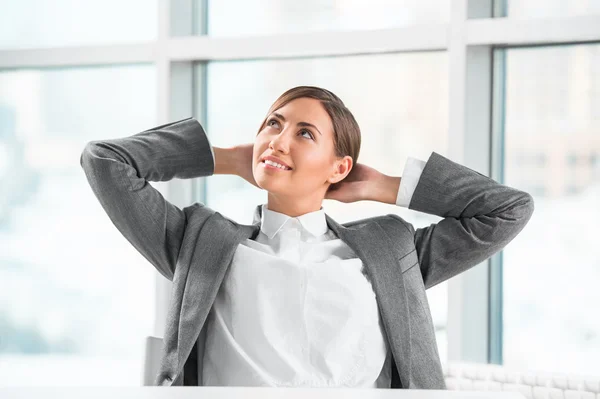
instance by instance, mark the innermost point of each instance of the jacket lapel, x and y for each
(217, 243)
(372, 245)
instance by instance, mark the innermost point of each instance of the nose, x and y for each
(281, 142)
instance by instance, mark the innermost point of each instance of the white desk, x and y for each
(243, 393)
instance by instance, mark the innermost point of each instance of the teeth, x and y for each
(274, 164)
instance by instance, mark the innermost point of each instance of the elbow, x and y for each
(519, 212)
(529, 206)
(522, 211)
(90, 152)
(84, 158)
(521, 215)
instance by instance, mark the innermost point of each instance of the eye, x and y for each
(302, 131)
(309, 133)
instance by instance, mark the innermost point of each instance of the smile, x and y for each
(273, 165)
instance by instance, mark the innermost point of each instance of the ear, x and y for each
(341, 169)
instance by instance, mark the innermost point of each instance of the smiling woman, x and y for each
(296, 299)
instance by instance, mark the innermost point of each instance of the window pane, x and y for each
(42, 23)
(549, 8)
(402, 112)
(77, 299)
(290, 16)
(552, 130)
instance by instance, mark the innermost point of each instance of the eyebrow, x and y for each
(299, 123)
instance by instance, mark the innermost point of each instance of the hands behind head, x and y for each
(357, 186)
(244, 153)
(360, 184)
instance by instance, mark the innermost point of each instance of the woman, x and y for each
(296, 299)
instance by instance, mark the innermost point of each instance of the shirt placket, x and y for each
(290, 240)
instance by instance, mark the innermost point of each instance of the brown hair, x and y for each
(346, 132)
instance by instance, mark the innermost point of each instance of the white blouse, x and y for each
(296, 308)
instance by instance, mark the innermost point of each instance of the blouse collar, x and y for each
(272, 222)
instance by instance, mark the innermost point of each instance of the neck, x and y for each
(293, 207)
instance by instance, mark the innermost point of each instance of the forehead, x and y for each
(307, 110)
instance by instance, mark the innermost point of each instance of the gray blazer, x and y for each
(194, 246)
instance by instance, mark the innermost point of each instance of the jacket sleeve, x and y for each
(118, 171)
(481, 216)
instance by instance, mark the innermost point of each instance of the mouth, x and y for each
(268, 165)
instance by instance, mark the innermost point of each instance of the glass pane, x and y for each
(402, 112)
(290, 16)
(42, 23)
(551, 270)
(549, 8)
(77, 298)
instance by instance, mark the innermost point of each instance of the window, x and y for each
(289, 16)
(76, 295)
(551, 269)
(430, 64)
(572, 159)
(550, 8)
(41, 23)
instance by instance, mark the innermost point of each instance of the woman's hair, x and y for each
(346, 132)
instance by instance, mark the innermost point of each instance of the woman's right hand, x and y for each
(243, 167)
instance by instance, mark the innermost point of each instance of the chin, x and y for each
(270, 186)
(265, 184)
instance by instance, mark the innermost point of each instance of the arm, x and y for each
(118, 172)
(481, 216)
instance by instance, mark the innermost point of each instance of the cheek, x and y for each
(312, 167)
(260, 147)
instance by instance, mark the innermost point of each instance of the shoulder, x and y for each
(399, 232)
(389, 222)
(393, 225)
(197, 214)
(396, 222)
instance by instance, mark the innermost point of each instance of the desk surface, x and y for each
(243, 393)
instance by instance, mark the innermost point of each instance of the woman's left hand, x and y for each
(362, 183)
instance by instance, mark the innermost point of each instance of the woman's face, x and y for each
(300, 134)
